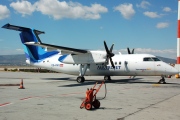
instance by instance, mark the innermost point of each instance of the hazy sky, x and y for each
(149, 26)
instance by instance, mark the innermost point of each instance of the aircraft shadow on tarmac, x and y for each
(66, 78)
(115, 81)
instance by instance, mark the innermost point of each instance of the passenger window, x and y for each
(119, 63)
(115, 63)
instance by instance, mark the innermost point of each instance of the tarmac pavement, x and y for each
(58, 96)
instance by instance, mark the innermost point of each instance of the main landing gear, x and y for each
(81, 79)
(82, 71)
(162, 80)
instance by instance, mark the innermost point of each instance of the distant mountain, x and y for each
(12, 60)
(19, 60)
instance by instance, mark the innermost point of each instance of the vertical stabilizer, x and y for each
(33, 53)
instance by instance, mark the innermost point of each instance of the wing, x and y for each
(62, 49)
(32, 44)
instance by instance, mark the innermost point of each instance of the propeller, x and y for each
(129, 52)
(109, 53)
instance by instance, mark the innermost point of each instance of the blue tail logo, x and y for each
(33, 53)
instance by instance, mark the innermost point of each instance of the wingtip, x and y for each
(6, 25)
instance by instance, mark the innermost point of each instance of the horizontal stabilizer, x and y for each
(19, 28)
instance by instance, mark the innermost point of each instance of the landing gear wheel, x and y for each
(88, 106)
(107, 78)
(80, 79)
(162, 80)
(96, 104)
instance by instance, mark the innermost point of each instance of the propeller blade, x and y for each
(128, 51)
(111, 48)
(133, 51)
(112, 62)
(109, 54)
(106, 48)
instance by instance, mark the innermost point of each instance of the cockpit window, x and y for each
(156, 59)
(151, 59)
(147, 59)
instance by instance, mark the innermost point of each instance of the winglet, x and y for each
(19, 28)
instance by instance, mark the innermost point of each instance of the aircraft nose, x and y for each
(172, 71)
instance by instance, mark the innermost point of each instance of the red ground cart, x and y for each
(90, 99)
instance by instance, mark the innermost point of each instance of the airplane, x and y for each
(88, 62)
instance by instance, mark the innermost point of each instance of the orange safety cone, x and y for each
(21, 85)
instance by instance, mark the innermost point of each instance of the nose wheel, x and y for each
(162, 80)
(80, 79)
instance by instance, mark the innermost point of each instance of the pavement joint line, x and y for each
(150, 106)
(26, 98)
(31, 97)
(72, 94)
(5, 104)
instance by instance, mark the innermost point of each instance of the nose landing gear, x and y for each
(162, 80)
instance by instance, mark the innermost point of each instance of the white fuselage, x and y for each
(125, 65)
(87, 62)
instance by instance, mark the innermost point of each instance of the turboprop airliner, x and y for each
(82, 62)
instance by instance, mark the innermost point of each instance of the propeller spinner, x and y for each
(109, 53)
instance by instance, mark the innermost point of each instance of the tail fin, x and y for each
(33, 53)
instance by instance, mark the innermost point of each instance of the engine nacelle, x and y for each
(87, 58)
